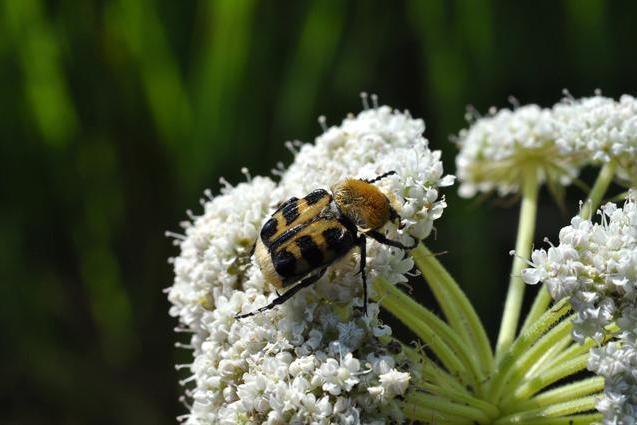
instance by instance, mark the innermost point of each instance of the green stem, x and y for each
(461, 398)
(455, 305)
(536, 384)
(416, 317)
(445, 406)
(431, 371)
(550, 412)
(526, 230)
(547, 359)
(521, 366)
(604, 180)
(540, 304)
(524, 341)
(579, 349)
(432, 416)
(561, 394)
(425, 332)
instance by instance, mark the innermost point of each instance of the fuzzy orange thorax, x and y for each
(362, 202)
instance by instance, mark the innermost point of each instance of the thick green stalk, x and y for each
(455, 305)
(461, 398)
(522, 343)
(547, 359)
(521, 366)
(431, 371)
(416, 317)
(432, 416)
(445, 406)
(424, 331)
(584, 419)
(579, 349)
(550, 376)
(550, 412)
(560, 394)
(526, 230)
(598, 191)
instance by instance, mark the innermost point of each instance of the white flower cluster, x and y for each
(497, 150)
(617, 363)
(595, 264)
(602, 129)
(314, 359)
(555, 142)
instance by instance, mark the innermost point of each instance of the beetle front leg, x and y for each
(362, 245)
(379, 237)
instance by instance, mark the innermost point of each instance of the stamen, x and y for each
(472, 114)
(279, 170)
(183, 401)
(323, 122)
(364, 100)
(174, 235)
(182, 366)
(226, 185)
(375, 100)
(189, 379)
(291, 147)
(246, 172)
(568, 96)
(512, 253)
(183, 418)
(514, 102)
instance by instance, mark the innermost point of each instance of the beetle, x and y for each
(304, 236)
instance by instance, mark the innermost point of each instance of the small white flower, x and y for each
(339, 376)
(394, 382)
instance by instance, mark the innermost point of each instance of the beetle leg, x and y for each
(286, 296)
(383, 239)
(362, 244)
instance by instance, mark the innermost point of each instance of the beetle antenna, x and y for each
(382, 176)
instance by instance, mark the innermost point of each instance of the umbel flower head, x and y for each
(600, 128)
(315, 359)
(595, 264)
(499, 150)
(554, 143)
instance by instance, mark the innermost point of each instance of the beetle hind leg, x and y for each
(286, 296)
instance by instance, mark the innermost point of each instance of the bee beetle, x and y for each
(304, 236)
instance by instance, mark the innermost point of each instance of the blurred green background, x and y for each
(116, 115)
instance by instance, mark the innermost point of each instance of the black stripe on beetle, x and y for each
(269, 229)
(290, 212)
(315, 196)
(284, 263)
(310, 250)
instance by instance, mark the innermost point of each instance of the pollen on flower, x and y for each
(314, 359)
